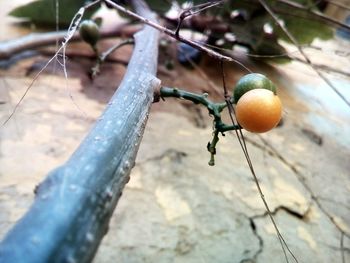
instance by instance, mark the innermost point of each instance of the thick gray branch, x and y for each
(74, 204)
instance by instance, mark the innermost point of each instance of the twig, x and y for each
(83, 54)
(37, 40)
(315, 13)
(189, 12)
(203, 75)
(211, 147)
(295, 42)
(342, 247)
(289, 55)
(323, 67)
(102, 58)
(214, 109)
(339, 4)
(171, 33)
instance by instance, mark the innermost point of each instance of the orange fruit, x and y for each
(259, 110)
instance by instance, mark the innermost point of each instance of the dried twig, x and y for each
(103, 57)
(314, 12)
(37, 40)
(339, 4)
(193, 11)
(307, 59)
(171, 33)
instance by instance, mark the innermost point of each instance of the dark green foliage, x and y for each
(43, 12)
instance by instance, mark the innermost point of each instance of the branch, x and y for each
(172, 34)
(214, 109)
(37, 40)
(338, 4)
(295, 42)
(103, 57)
(189, 12)
(315, 13)
(73, 205)
(324, 67)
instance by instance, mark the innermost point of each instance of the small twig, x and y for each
(214, 109)
(295, 42)
(208, 80)
(342, 247)
(171, 33)
(226, 95)
(102, 58)
(182, 94)
(323, 67)
(314, 12)
(189, 12)
(289, 55)
(37, 40)
(105, 54)
(211, 147)
(339, 4)
(82, 54)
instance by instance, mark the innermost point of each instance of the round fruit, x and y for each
(89, 32)
(252, 81)
(259, 110)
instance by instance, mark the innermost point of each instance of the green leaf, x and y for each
(43, 12)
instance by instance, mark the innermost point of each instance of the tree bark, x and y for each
(73, 205)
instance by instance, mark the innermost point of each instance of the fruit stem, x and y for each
(214, 109)
(182, 94)
(103, 56)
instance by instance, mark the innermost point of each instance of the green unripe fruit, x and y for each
(252, 81)
(89, 32)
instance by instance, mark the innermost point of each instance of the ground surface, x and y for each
(176, 208)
